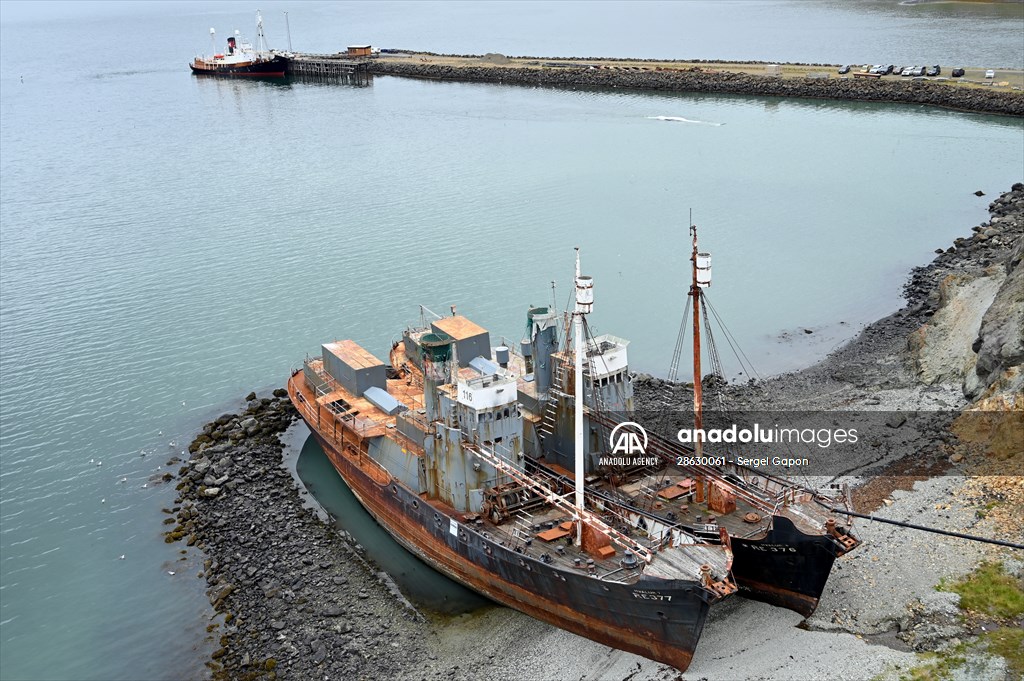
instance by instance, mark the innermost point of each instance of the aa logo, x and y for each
(628, 438)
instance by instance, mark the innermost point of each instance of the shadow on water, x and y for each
(420, 583)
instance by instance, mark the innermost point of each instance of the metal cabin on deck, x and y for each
(354, 368)
(471, 340)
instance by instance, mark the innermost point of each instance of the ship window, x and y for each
(437, 520)
(415, 504)
(394, 489)
(506, 412)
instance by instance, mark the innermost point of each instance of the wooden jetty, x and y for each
(333, 67)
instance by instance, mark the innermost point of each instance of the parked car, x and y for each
(932, 71)
(956, 73)
(990, 74)
(909, 71)
(888, 69)
(877, 68)
(844, 69)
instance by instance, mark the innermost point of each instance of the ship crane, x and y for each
(559, 501)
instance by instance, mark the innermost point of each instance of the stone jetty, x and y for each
(701, 80)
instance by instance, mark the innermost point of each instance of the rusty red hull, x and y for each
(660, 619)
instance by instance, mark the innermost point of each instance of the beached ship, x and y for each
(433, 447)
(785, 536)
(240, 60)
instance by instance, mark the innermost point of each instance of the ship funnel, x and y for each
(436, 350)
(543, 325)
(703, 270)
(526, 350)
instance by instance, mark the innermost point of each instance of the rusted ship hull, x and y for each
(655, 618)
(786, 568)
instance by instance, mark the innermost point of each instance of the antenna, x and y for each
(289, 29)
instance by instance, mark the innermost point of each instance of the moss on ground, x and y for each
(989, 591)
(1009, 644)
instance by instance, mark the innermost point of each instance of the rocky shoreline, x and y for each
(292, 598)
(978, 100)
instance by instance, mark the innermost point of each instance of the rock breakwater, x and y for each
(981, 100)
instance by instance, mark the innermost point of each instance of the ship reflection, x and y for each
(421, 584)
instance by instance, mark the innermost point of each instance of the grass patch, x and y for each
(986, 509)
(938, 666)
(1008, 643)
(989, 591)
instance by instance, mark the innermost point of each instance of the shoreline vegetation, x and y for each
(973, 93)
(292, 597)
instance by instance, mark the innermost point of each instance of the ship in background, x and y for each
(240, 60)
(435, 448)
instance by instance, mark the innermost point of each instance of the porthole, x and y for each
(415, 504)
(394, 489)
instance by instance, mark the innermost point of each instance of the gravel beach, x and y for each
(292, 598)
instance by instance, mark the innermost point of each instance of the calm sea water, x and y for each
(169, 243)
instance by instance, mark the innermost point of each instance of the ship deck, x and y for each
(674, 492)
(547, 534)
(343, 420)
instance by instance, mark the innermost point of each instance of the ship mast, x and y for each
(698, 398)
(584, 304)
(261, 40)
(701, 279)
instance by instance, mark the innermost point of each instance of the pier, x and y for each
(329, 67)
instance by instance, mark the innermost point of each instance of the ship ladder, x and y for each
(558, 389)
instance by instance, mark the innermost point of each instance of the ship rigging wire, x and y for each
(924, 528)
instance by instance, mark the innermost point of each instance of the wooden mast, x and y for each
(698, 398)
